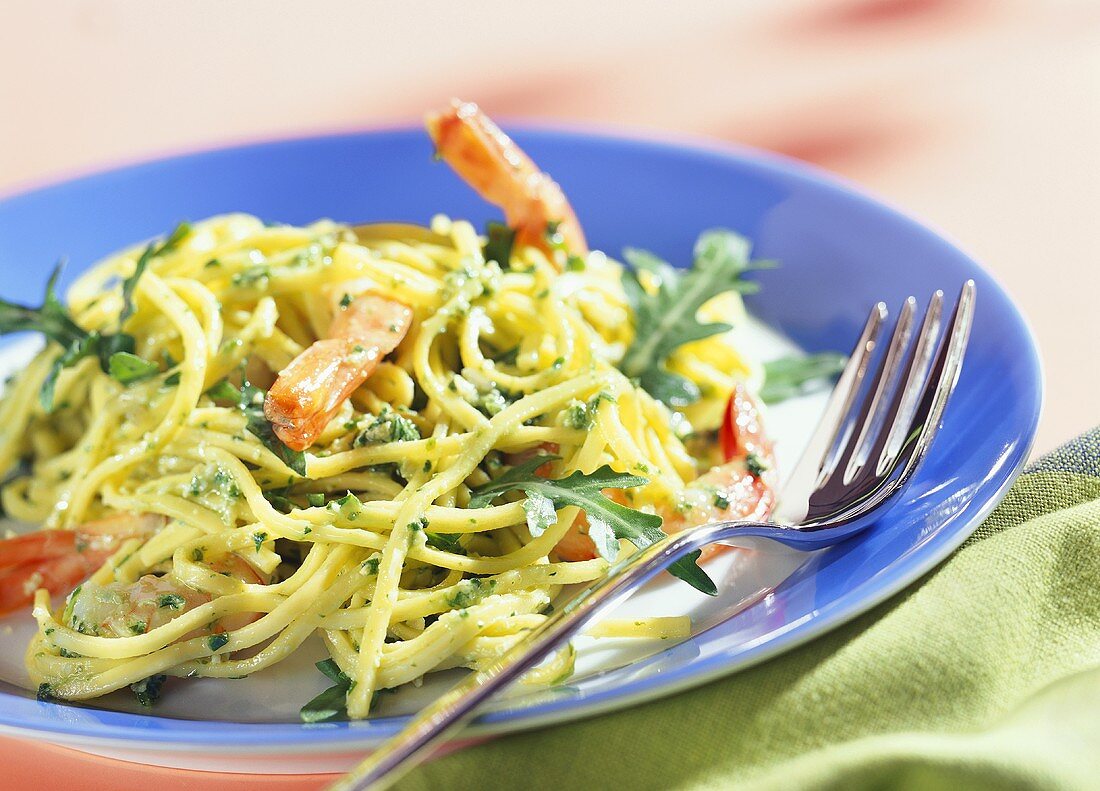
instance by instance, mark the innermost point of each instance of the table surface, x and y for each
(979, 116)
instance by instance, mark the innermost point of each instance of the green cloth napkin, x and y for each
(986, 674)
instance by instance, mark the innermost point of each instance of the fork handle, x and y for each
(393, 759)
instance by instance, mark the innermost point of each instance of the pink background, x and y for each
(980, 116)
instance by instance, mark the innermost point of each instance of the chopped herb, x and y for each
(279, 502)
(172, 379)
(147, 691)
(345, 300)
(258, 540)
(388, 426)
(582, 415)
(608, 521)
(316, 499)
(754, 465)
(507, 357)
(197, 554)
(574, 263)
(667, 319)
(445, 542)
(721, 500)
(45, 692)
(792, 376)
(470, 592)
(170, 601)
(251, 276)
(216, 642)
(138, 627)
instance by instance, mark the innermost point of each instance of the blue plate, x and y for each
(840, 251)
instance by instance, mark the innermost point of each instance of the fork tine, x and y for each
(843, 449)
(873, 488)
(836, 417)
(875, 406)
(903, 409)
(942, 378)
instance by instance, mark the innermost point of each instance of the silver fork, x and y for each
(856, 462)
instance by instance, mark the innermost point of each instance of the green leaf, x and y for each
(129, 285)
(329, 705)
(540, 512)
(53, 320)
(612, 521)
(224, 391)
(333, 671)
(797, 374)
(126, 368)
(667, 319)
(645, 261)
(251, 403)
(673, 389)
(498, 248)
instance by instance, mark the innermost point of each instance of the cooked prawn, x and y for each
(59, 560)
(487, 159)
(121, 610)
(741, 488)
(309, 391)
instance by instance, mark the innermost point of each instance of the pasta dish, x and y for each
(408, 440)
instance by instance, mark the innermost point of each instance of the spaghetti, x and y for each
(406, 439)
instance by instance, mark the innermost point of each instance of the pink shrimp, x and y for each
(741, 488)
(487, 159)
(309, 391)
(59, 560)
(121, 610)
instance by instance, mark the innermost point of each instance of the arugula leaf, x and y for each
(126, 367)
(792, 376)
(608, 521)
(53, 320)
(152, 250)
(541, 512)
(666, 320)
(498, 248)
(249, 399)
(331, 703)
(251, 403)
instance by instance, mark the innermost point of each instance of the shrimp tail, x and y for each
(498, 170)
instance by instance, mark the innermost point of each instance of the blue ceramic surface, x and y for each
(840, 252)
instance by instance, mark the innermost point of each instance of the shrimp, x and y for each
(741, 488)
(122, 610)
(309, 391)
(487, 159)
(59, 560)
